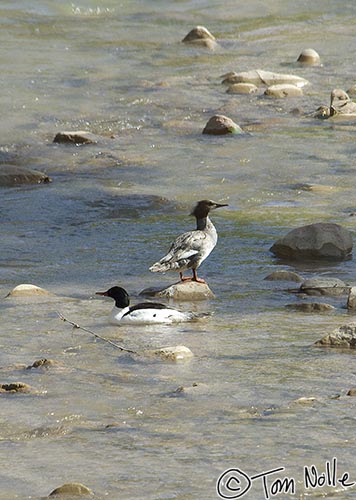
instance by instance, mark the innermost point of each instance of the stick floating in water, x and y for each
(96, 335)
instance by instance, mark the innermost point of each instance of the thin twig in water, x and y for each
(96, 335)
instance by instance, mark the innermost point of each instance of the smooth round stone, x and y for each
(71, 489)
(309, 57)
(221, 125)
(283, 275)
(186, 290)
(198, 33)
(283, 90)
(242, 88)
(27, 290)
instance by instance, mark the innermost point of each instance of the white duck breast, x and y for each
(144, 313)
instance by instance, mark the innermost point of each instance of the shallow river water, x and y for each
(114, 422)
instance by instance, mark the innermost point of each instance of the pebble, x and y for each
(351, 392)
(283, 275)
(15, 387)
(242, 88)
(323, 286)
(221, 125)
(342, 337)
(351, 300)
(12, 175)
(309, 57)
(201, 36)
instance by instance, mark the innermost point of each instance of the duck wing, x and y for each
(185, 249)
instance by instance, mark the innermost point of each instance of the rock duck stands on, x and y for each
(145, 312)
(190, 249)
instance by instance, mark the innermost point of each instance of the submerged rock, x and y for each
(344, 336)
(15, 387)
(283, 90)
(323, 286)
(200, 36)
(351, 392)
(260, 77)
(72, 489)
(27, 290)
(310, 307)
(12, 175)
(42, 363)
(185, 290)
(75, 137)
(341, 104)
(242, 88)
(321, 240)
(309, 57)
(175, 353)
(221, 125)
(283, 275)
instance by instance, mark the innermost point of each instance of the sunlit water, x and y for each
(102, 417)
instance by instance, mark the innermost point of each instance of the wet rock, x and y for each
(186, 290)
(283, 275)
(283, 90)
(314, 188)
(42, 363)
(260, 77)
(242, 88)
(352, 91)
(317, 241)
(351, 300)
(341, 104)
(323, 286)
(71, 489)
(200, 36)
(175, 353)
(351, 392)
(309, 57)
(344, 337)
(12, 175)
(194, 389)
(305, 400)
(27, 290)
(310, 307)
(221, 125)
(15, 387)
(75, 137)
(322, 112)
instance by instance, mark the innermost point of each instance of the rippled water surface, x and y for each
(113, 421)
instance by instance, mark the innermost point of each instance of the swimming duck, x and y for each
(144, 313)
(190, 249)
(340, 103)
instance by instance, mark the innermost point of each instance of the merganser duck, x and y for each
(190, 249)
(144, 313)
(340, 103)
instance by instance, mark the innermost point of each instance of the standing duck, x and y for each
(145, 312)
(190, 249)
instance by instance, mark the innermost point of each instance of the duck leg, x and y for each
(195, 277)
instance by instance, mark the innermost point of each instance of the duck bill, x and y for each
(219, 205)
(104, 294)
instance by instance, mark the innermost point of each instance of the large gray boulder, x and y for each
(322, 240)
